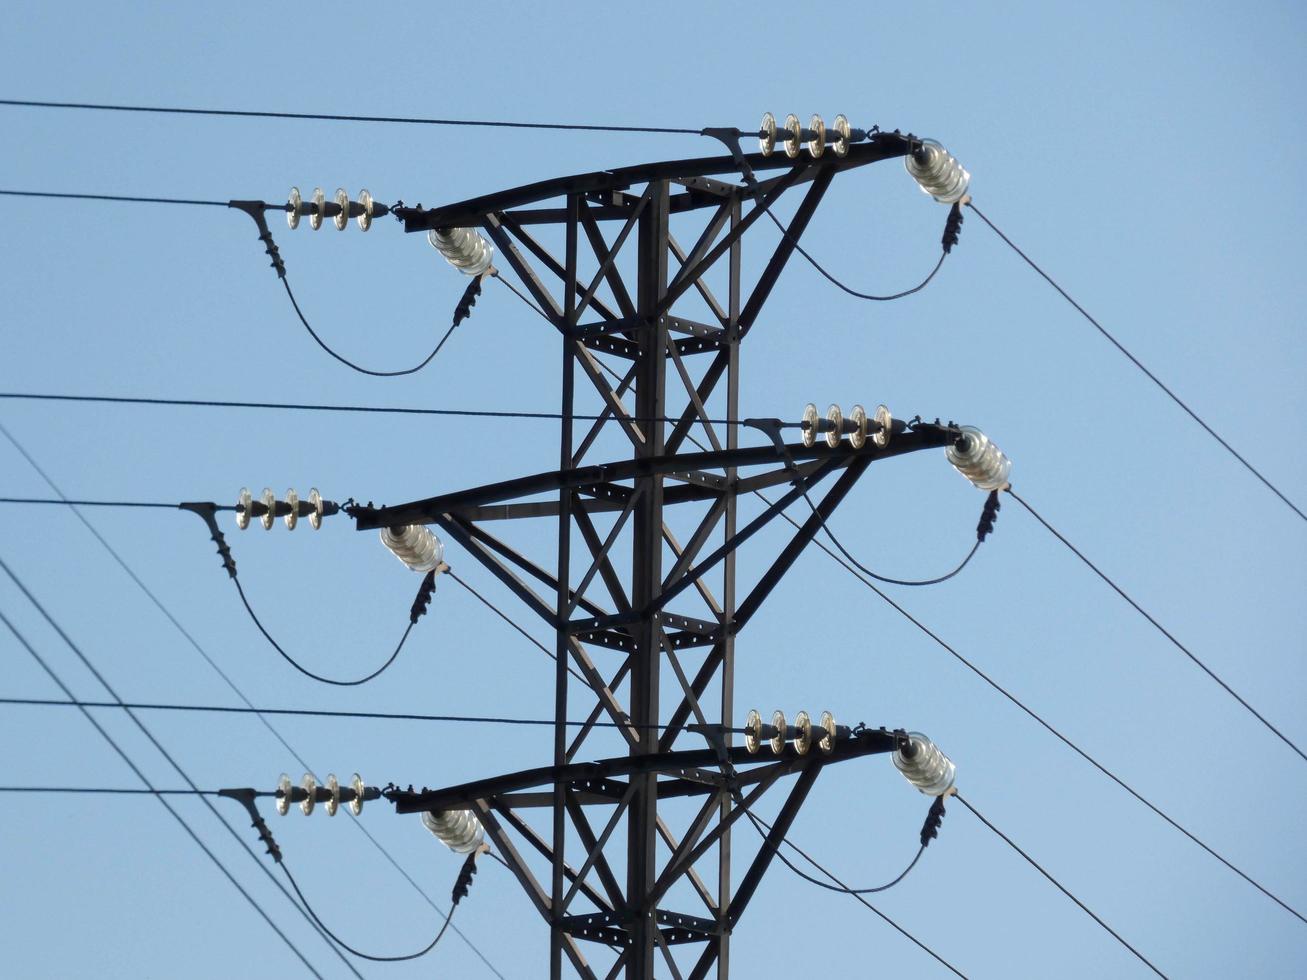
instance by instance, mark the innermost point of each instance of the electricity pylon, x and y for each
(652, 636)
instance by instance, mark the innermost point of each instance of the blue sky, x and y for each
(1144, 154)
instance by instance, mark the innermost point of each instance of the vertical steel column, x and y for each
(561, 601)
(728, 588)
(646, 582)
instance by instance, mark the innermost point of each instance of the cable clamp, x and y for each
(952, 227)
(246, 797)
(731, 137)
(208, 512)
(255, 210)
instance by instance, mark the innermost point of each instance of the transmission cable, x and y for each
(927, 833)
(122, 198)
(358, 367)
(506, 618)
(235, 688)
(325, 713)
(309, 407)
(1137, 363)
(338, 117)
(304, 670)
(175, 815)
(1160, 628)
(983, 528)
(954, 216)
(1060, 887)
(1045, 724)
(350, 949)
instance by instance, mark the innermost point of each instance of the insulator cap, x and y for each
(979, 460)
(845, 131)
(284, 790)
(319, 201)
(793, 136)
(753, 731)
(458, 830)
(463, 248)
(817, 145)
(415, 546)
(767, 134)
(938, 173)
(835, 432)
(924, 765)
(802, 733)
(811, 421)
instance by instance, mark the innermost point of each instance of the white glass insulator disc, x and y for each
(803, 733)
(296, 204)
(836, 433)
(858, 437)
(243, 502)
(793, 136)
(293, 516)
(841, 126)
(333, 804)
(310, 785)
(356, 804)
(269, 517)
(810, 420)
(767, 134)
(319, 199)
(283, 799)
(752, 729)
(315, 498)
(817, 145)
(827, 741)
(342, 201)
(778, 740)
(886, 420)
(365, 216)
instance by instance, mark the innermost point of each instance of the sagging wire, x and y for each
(929, 831)
(207, 512)
(256, 209)
(246, 797)
(988, 515)
(950, 237)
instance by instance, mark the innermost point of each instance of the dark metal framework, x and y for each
(627, 562)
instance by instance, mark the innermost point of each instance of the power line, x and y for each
(308, 407)
(175, 815)
(346, 946)
(1060, 887)
(1137, 363)
(324, 713)
(93, 503)
(1159, 627)
(836, 282)
(226, 678)
(108, 790)
(357, 367)
(122, 198)
(1048, 726)
(759, 823)
(506, 618)
(857, 895)
(338, 117)
(304, 670)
